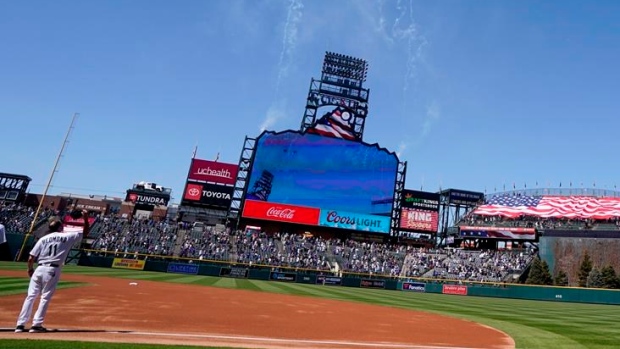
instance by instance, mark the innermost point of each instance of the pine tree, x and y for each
(609, 277)
(561, 279)
(545, 275)
(535, 275)
(595, 279)
(584, 270)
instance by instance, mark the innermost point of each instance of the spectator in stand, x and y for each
(5, 255)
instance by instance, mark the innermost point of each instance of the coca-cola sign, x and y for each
(212, 171)
(280, 212)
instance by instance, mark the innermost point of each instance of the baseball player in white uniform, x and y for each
(50, 253)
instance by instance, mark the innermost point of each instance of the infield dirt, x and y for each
(112, 310)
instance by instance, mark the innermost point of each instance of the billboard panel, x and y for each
(281, 212)
(508, 233)
(419, 220)
(207, 194)
(212, 171)
(322, 172)
(420, 199)
(354, 221)
(140, 197)
(464, 197)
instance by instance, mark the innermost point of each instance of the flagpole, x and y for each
(47, 186)
(189, 172)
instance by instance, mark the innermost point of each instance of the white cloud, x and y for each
(274, 114)
(433, 113)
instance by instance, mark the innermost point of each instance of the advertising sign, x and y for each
(369, 283)
(328, 280)
(137, 197)
(234, 272)
(124, 263)
(207, 194)
(212, 171)
(464, 197)
(279, 276)
(354, 221)
(508, 233)
(68, 220)
(420, 199)
(280, 212)
(419, 220)
(414, 286)
(459, 290)
(183, 268)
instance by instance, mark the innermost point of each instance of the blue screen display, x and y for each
(322, 172)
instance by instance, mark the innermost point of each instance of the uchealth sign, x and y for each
(206, 194)
(354, 221)
(419, 220)
(212, 171)
(144, 198)
(280, 212)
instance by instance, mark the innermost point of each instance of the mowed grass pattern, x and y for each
(533, 324)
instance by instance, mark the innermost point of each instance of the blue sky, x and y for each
(471, 94)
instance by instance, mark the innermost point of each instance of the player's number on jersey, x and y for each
(52, 250)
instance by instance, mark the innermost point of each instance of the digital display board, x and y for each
(206, 194)
(328, 173)
(419, 211)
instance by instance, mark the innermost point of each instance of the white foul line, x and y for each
(281, 340)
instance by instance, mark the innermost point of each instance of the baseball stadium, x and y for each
(313, 239)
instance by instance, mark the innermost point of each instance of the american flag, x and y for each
(337, 123)
(551, 206)
(499, 233)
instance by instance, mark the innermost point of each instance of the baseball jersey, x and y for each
(54, 247)
(2, 234)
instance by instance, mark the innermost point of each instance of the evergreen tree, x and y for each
(561, 279)
(545, 275)
(595, 279)
(609, 277)
(535, 275)
(584, 270)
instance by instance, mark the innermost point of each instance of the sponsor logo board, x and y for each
(143, 198)
(460, 290)
(369, 283)
(207, 194)
(212, 171)
(278, 276)
(419, 220)
(328, 280)
(234, 272)
(414, 286)
(420, 199)
(182, 268)
(354, 221)
(124, 263)
(280, 212)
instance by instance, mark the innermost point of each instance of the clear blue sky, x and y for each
(472, 94)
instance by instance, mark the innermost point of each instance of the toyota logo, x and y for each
(193, 192)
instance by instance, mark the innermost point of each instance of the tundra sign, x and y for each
(208, 195)
(138, 197)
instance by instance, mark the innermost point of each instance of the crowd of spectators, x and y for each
(124, 237)
(18, 218)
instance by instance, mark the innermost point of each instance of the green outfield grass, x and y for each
(533, 324)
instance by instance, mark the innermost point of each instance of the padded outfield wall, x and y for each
(566, 253)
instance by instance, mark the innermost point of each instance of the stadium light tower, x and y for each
(340, 85)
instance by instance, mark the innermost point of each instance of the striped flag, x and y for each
(338, 123)
(551, 206)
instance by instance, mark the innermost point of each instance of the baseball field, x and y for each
(95, 307)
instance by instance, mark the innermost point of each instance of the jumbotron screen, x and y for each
(322, 172)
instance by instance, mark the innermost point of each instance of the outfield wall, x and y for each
(207, 268)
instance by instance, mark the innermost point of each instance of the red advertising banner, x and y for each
(459, 290)
(211, 171)
(419, 220)
(281, 212)
(80, 221)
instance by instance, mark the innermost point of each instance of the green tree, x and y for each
(545, 275)
(595, 279)
(561, 279)
(609, 277)
(584, 270)
(535, 275)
